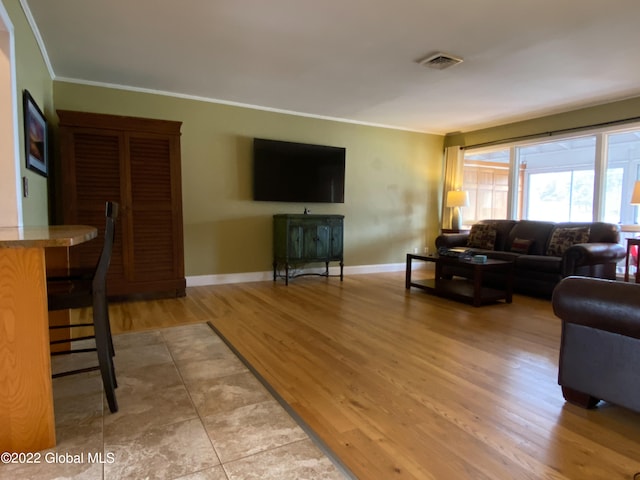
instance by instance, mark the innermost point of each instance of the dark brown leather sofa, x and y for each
(536, 272)
(600, 345)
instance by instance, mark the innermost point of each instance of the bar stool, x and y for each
(80, 290)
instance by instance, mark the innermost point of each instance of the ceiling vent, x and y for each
(440, 61)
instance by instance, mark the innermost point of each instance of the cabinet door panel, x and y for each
(151, 213)
(152, 246)
(150, 164)
(315, 241)
(97, 168)
(322, 242)
(296, 236)
(336, 240)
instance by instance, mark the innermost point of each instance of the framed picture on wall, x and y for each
(35, 136)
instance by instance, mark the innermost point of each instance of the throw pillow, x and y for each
(482, 236)
(520, 245)
(563, 238)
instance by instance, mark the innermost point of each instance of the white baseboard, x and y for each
(203, 280)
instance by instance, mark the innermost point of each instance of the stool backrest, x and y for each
(100, 275)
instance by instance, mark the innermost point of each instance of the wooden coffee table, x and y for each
(464, 289)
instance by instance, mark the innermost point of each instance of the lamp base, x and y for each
(456, 219)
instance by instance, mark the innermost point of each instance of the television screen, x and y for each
(297, 172)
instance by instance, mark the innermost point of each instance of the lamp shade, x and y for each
(458, 198)
(635, 196)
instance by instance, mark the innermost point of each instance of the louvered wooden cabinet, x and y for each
(136, 162)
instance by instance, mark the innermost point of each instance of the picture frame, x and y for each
(35, 136)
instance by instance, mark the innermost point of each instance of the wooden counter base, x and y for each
(27, 421)
(24, 353)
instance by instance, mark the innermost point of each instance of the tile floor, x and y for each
(189, 409)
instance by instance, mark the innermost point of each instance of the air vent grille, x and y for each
(440, 61)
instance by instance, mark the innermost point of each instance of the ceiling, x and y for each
(356, 59)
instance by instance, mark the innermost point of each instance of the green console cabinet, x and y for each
(304, 238)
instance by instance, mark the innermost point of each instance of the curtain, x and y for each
(453, 175)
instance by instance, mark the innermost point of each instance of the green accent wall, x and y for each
(392, 191)
(584, 117)
(31, 74)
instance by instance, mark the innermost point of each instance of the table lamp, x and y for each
(457, 199)
(635, 196)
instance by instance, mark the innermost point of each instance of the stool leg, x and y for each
(105, 358)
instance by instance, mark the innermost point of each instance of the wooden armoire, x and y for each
(136, 162)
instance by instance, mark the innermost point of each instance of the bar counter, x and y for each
(26, 401)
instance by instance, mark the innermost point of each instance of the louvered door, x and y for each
(93, 176)
(153, 217)
(137, 163)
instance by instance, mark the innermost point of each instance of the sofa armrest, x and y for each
(585, 254)
(451, 240)
(601, 304)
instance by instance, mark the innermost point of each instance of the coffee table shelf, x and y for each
(463, 289)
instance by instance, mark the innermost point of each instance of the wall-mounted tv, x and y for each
(297, 172)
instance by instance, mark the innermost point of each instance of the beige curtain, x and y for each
(453, 171)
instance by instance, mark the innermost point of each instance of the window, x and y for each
(623, 169)
(558, 180)
(486, 179)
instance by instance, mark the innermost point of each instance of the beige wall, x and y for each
(392, 191)
(611, 112)
(31, 74)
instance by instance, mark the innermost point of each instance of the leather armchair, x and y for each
(600, 344)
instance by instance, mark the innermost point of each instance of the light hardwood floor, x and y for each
(401, 384)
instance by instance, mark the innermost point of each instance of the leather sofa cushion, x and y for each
(538, 263)
(536, 231)
(509, 256)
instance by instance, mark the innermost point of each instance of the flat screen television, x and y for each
(297, 172)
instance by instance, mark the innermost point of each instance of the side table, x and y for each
(630, 243)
